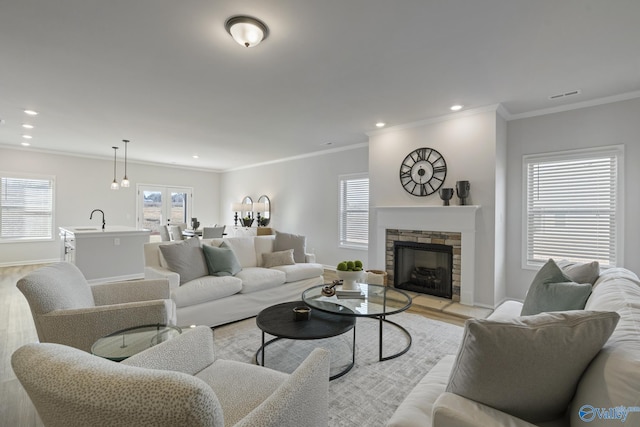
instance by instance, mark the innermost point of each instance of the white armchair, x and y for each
(176, 383)
(67, 310)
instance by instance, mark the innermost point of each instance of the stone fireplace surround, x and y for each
(435, 219)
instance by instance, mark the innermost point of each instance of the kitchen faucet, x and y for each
(98, 210)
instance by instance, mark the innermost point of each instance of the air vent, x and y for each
(565, 94)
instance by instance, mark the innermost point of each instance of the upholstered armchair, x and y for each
(67, 310)
(176, 383)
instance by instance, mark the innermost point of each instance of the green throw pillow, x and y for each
(221, 260)
(552, 290)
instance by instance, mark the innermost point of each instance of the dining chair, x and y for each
(213, 232)
(164, 233)
(176, 232)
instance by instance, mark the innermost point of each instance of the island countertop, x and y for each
(96, 231)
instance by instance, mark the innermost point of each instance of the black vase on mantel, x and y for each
(446, 194)
(462, 190)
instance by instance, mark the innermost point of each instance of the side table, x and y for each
(127, 342)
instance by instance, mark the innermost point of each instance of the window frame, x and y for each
(343, 242)
(166, 192)
(616, 151)
(31, 176)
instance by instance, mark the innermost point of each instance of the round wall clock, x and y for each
(423, 172)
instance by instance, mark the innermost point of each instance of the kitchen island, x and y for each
(114, 253)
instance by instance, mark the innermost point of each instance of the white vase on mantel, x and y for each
(350, 279)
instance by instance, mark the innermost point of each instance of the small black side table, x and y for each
(278, 320)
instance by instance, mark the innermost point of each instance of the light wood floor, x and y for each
(17, 328)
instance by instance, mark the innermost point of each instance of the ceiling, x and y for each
(167, 76)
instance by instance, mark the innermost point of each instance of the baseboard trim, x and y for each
(30, 262)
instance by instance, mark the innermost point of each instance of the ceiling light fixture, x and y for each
(114, 184)
(380, 124)
(456, 107)
(247, 31)
(25, 144)
(27, 126)
(125, 181)
(27, 136)
(31, 112)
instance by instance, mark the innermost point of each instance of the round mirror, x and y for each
(266, 215)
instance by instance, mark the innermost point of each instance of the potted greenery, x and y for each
(350, 272)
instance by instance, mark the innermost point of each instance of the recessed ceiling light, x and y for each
(195, 156)
(27, 126)
(327, 143)
(380, 124)
(25, 144)
(27, 136)
(31, 112)
(457, 107)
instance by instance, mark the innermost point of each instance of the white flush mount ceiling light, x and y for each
(380, 124)
(247, 31)
(456, 107)
(31, 112)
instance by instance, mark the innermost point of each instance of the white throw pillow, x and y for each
(529, 367)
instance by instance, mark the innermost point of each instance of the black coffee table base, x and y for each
(279, 321)
(260, 354)
(401, 352)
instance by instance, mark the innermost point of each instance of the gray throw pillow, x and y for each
(221, 261)
(580, 272)
(552, 290)
(273, 259)
(284, 241)
(529, 367)
(186, 259)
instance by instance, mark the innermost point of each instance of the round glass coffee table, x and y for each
(377, 301)
(127, 342)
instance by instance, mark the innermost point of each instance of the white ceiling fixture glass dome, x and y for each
(247, 31)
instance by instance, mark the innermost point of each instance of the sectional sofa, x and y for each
(607, 391)
(266, 270)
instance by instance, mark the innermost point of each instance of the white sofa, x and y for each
(212, 300)
(612, 379)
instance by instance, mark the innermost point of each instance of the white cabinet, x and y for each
(113, 254)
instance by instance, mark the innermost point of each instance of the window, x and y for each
(26, 207)
(354, 210)
(574, 206)
(160, 205)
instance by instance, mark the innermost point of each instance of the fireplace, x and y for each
(423, 267)
(445, 225)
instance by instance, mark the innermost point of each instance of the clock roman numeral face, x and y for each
(423, 172)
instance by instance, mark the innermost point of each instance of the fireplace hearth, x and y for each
(423, 267)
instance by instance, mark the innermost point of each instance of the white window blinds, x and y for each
(572, 203)
(26, 208)
(354, 210)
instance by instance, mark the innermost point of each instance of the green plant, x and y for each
(349, 266)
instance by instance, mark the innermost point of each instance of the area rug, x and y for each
(370, 393)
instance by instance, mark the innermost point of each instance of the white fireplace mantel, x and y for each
(460, 219)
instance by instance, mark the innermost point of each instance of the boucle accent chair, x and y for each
(67, 310)
(176, 383)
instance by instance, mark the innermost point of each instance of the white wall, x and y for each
(609, 124)
(304, 197)
(469, 144)
(82, 184)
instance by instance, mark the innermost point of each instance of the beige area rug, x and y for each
(370, 393)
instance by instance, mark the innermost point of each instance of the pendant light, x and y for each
(114, 184)
(125, 181)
